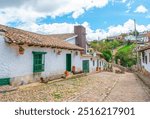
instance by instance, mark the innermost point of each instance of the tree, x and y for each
(126, 56)
(107, 54)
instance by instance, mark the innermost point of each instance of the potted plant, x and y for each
(58, 52)
(66, 73)
(21, 50)
(76, 53)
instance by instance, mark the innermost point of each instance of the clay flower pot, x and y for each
(21, 50)
(66, 73)
(73, 68)
(76, 53)
(58, 52)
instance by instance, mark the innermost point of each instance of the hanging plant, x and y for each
(81, 52)
(76, 53)
(21, 50)
(59, 52)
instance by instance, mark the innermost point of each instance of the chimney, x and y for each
(80, 31)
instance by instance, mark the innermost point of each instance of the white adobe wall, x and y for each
(93, 67)
(102, 64)
(14, 65)
(146, 66)
(77, 61)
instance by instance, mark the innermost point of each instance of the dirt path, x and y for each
(116, 50)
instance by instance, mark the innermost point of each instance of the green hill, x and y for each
(126, 55)
(123, 51)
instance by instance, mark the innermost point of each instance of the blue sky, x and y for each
(102, 18)
(112, 14)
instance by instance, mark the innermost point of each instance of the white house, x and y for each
(90, 61)
(25, 56)
(145, 57)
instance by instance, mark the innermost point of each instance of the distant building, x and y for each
(140, 39)
(111, 38)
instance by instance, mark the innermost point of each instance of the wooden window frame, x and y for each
(93, 63)
(146, 59)
(143, 57)
(38, 61)
(149, 57)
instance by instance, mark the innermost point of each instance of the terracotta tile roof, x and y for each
(144, 48)
(20, 37)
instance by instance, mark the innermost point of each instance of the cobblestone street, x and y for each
(99, 87)
(125, 88)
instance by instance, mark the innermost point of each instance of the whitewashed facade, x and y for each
(20, 67)
(145, 59)
(23, 68)
(94, 61)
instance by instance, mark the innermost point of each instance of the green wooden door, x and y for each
(68, 62)
(85, 65)
(4, 81)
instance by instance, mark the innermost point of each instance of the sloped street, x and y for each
(99, 87)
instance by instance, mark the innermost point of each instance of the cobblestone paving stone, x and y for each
(104, 86)
(129, 89)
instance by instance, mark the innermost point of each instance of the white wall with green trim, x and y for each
(13, 64)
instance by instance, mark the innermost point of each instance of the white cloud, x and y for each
(126, 27)
(141, 9)
(78, 13)
(56, 28)
(124, 1)
(148, 16)
(27, 12)
(129, 5)
(31, 10)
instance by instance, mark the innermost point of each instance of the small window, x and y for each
(143, 56)
(38, 61)
(149, 57)
(93, 63)
(146, 59)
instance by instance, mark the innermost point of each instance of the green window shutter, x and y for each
(38, 61)
(4, 81)
(68, 62)
(85, 66)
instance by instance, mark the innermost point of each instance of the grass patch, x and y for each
(56, 95)
(126, 48)
(126, 55)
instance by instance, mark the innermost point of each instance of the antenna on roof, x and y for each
(135, 32)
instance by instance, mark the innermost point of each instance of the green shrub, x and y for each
(107, 54)
(126, 55)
